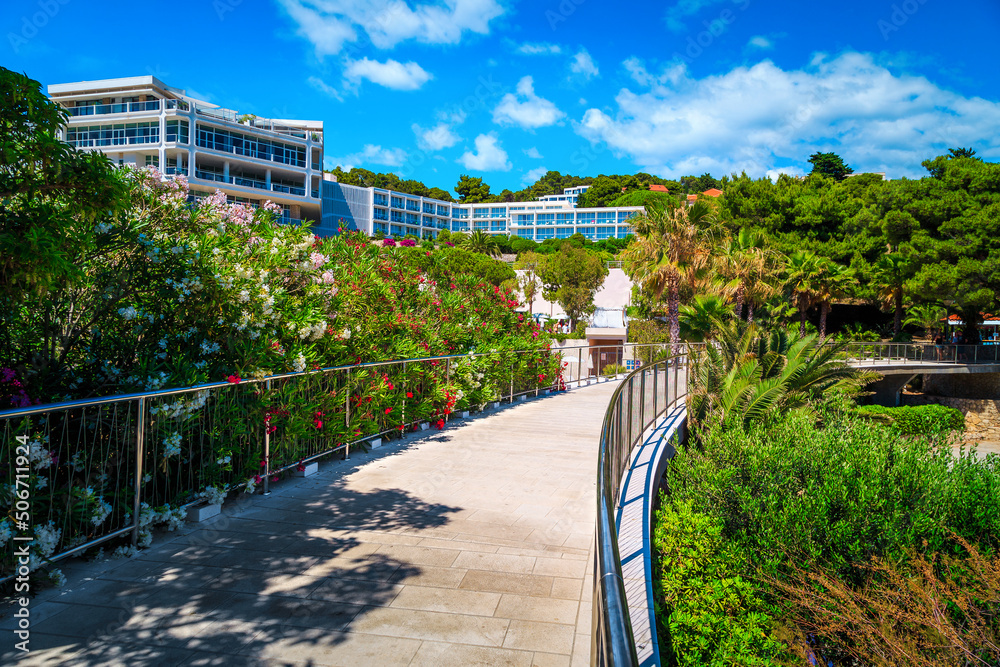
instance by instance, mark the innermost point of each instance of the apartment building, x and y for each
(142, 121)
(569, 195)
(377, 210)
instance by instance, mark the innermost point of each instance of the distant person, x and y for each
(939, 347)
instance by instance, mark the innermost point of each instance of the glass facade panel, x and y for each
(428, 221)
(397, 216)
(397, 202)
(250, 146)
(605, 217)
(381, 199)
(442, 210)
(121, 134)
(412, 219)
(498, 212)
(428, 207)
(412, 205)
(564, 232)
(546, 218)
(586, 231)
(177, 130)
(381, 214)
(481, 213)
(543, 233)
(525, 218)
(564, 217)
(460, 213)
(605, 233)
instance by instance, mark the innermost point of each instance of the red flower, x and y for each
(388, 410)
(409, 394)
(440, 424)
(301, 467)
(234, 379)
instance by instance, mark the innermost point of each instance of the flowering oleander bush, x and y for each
(176, 295)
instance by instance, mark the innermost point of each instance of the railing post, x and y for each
(267, 450)
(140, 436)
(579, 367)
(642, 399)
(347, 421)
(403, 410)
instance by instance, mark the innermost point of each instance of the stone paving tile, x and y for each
(545, 610)
(438, 654)
(432, 625)
(448, 548)
(429, 598)
(534, 636)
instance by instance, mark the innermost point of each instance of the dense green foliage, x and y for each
(917, 419)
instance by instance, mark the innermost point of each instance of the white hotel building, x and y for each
(142, 121)
(375, 210)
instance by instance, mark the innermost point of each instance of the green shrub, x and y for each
(613, 369)
(917, 419)
(707, 612)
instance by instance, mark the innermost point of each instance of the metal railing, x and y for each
(93, 466)
(925, 353)
(123, 107)
(642, 398)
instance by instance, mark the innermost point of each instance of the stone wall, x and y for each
(982, 416)
(963, 385)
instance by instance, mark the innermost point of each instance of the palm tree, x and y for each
(890, 274)
(750, 375)
(698, 319)
(927, 316)
(746, 263)
(834, 284)
(673, 249)
(480, 241)
(804, 271)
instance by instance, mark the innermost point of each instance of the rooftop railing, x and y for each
(123, 107)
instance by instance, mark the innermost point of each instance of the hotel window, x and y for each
(498, 226)
(428, 221)
(398, 230)
(605, 233)
(381, 199)
(605, 217)
(177, 130)
(397, 202)
(379, 227)
(412, 205)
(480, 213)
(153, 160)
(564, 232)
(460, 213)
(586, 231)
(524, 218)
(412, 219)
(114, 135)
(546, 218)
(625, 215)
(381, 214)
(459, 226)
(250, 146)
(397, 216)
(442, 210)
(543, 233)
(564, 217)
(428, 207)
(482, 225)
(498, 212)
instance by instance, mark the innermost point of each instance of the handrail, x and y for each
(924, 353)
(613, 642)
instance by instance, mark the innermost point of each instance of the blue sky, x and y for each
(431, 89)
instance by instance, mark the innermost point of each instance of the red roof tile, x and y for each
(712, 192)
(658, 188)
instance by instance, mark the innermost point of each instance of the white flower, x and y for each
(57, 578)
(346, 335)
(128, 313)
(5, 532)
(43, 482)
(172, 445)
(39, 454)
(101, 512)
(214, 496)
(250, 487)
(299, 364)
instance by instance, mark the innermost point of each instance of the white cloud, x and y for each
(754, 118)
(370, 154)
(539, 49)
(324, 87)
(533, 153)
(773, 174)
(331, 24)
(584, 64)
(528, 114)
(435, 138)
(684, 8)
(761, 42)
(488, 156)
(391, 74)
(533, 175)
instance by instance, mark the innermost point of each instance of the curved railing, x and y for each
(641, 399)
(110, 457)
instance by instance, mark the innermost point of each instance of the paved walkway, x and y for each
(470, 546)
